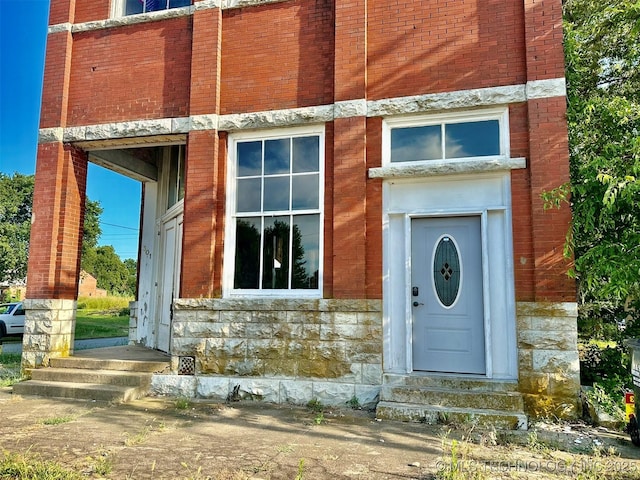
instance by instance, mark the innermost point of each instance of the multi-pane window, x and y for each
(414, 141)
(278, 213)
(131, 7)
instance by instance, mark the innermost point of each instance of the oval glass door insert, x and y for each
(447, 275)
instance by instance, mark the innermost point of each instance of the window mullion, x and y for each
(443, 134)
(260, 276)
(261, 265)
(290, 246)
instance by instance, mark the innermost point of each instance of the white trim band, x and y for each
(462, 99)
(554, 87)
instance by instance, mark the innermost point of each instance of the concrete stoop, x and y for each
(110, 380)
(440, 399)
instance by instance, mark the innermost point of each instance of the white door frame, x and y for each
(484, 194)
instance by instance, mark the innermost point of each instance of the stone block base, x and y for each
(549, 369)
(48, 331)
(272, 390)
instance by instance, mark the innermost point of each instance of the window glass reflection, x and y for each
(415, 144)
(247, 261)
(248, 195)
(472, 139)
(275, 266)
(249, 156)
(276, 193)
(276, 156)
(305, 192)
(306, 251)
(306, 154)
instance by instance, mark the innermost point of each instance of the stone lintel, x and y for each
(447, 167)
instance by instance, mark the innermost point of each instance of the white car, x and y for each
(11, 319)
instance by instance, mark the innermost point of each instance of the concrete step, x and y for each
(79, 375)
(433, 414)
(76, 390)
(449, 397)
(456, 383)
(109, 364)
(112, 374)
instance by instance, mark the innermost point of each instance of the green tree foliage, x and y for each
(602, 48)
(92, 230)
(110, 272)
(16, 199)
(132, 278)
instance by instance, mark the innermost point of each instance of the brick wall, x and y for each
(56, 80)
(277, 56)
(134, 72)
(87, 11)
(426, 47)
(62, 11)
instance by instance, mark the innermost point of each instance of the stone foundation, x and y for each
(277, 350)
(48, 331)
(293, 351)
(549, 368)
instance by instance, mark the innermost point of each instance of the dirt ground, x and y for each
(158, 438)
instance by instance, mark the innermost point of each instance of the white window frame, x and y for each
(501, 114)
(228, 289)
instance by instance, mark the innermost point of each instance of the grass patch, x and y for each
(100, 325)
(113, 304)
(182, 403)
(25, 468)
(57, 420)
(9, 369)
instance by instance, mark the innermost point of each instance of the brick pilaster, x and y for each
(548, 153)
(205, 175)
(58, 219)
(349, 162)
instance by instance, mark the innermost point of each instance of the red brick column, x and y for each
(374, 210)
(61, 176)
(58, 219)
(350, 169)
(205, 174)
(549, 154)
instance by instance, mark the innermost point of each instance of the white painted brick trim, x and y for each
(60, 27)
(462, 99)
(554, 87)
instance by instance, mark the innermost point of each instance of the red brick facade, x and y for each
(291, 54)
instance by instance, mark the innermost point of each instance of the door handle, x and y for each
(417, 304)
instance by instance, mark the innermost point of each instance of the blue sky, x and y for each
(23, 33)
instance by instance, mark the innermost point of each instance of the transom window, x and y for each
(132, 7)
(449, 137)
(277, 212)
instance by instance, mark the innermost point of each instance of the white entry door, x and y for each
(169, 284)
(447, 295)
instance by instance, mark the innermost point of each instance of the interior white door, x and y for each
(169, 287)
(447, 295)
